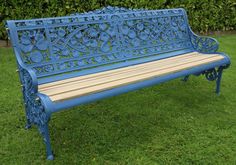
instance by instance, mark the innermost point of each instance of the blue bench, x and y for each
(72, 60)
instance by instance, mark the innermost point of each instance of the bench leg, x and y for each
(218, 80)
(46, 138)
(215, 74)
(185, 79)
(28, 124)
(37, 115)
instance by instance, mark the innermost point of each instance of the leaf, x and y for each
(105, 47)
(26, 48)
(42, 44)
(61, 32)
(36, 57)
(75, 53)
(132, 34)
(25, 40)
(104, 36)
(65, 52)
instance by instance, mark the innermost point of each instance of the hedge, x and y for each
(204, 15)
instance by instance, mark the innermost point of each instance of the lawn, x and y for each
(171, 123)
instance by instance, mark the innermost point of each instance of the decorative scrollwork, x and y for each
(35, 111)
(34, 46)
(108, 10)
(211, 74)
(110, 35)
(204, 44)
(36, 104)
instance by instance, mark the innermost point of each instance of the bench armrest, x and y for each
(28, 77)
(204, 44)
(35, 102)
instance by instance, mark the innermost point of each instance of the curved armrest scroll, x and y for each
(204, 44)
(37, 105)
(28, 77)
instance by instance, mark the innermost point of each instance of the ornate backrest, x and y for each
(109, 10)
(65, 44)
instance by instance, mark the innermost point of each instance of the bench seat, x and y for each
(93, 83)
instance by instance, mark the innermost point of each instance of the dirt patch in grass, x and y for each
(5, 43)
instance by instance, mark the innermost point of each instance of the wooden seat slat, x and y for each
(84, 88)
(109, 72)
(61, 88)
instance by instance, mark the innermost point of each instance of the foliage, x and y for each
(204, 15)
(170, 123)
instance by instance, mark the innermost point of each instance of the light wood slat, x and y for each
(43, 86)
(122, 82)
(119, 72)
(85, 84)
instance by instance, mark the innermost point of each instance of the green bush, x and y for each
(204, 15)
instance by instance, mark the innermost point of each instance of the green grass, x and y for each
(171, 123)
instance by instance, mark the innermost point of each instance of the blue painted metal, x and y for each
(52, 49)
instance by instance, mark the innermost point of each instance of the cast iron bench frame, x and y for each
(39, 107)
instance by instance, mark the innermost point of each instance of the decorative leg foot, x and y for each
(185, 79)
(218, 80)
(45, 133)
(28, 125)
(50, 157)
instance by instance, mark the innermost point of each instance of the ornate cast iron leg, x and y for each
(28, 124)
(45, 133)
(37, 115)
(214, 74)
(35, 106)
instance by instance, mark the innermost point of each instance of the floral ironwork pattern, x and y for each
(108, 10)
(153, 35)
(35, 111)
(204, 44)
(36, 104)
(65, 44)
(213, 74)
(34, 46)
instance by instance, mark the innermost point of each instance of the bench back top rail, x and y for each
(53, 46)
